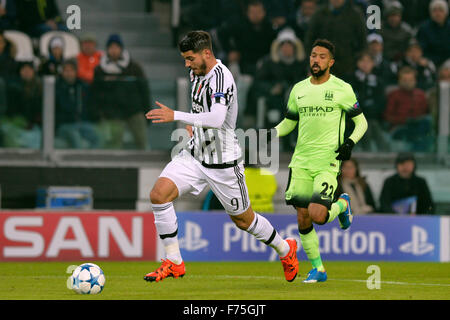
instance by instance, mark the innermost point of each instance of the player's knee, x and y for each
(318, 213)
(157, 197)
(321, 220)
(243, 221)
(241, 224)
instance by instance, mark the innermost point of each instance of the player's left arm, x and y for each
(361, 126)
(353, 110)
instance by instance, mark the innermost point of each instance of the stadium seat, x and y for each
(71, 43)
(23, 44)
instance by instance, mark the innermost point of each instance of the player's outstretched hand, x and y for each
(345, 150)
(161, 115)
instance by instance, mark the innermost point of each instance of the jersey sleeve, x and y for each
(292, 109)
(349, 102)
(221, 88)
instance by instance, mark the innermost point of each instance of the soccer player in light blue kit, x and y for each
(320, 105)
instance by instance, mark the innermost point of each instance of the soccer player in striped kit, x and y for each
(211, 158)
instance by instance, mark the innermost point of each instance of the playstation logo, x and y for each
(418, 245)
(192, 240)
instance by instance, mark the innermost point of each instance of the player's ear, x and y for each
(331, 62)
(206, 53)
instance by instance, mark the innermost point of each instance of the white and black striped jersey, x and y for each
(215, 147)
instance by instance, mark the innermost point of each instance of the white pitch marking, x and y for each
(348, 280)
(244, 277)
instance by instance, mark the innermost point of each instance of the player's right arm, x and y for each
(285, 127)
(213, 119)
(290, 121)
(189, 130)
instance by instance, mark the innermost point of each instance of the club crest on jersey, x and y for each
(356, 105)
(329, 95)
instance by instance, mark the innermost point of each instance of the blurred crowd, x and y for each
(99, 94)
(394, 70)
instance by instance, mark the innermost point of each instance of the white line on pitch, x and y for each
(240, 277)
(348, 280)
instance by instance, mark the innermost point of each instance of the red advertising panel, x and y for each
(68, 236)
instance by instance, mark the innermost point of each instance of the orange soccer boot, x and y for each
(290, 261)
(167, 269)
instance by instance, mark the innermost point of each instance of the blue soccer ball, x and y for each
(88, 278)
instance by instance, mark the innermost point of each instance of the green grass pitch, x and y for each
(230, 281)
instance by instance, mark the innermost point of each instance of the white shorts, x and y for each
(228, 184)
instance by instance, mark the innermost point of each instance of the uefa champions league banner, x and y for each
(214, 237)
(70, 236)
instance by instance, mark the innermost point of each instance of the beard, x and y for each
(318, 73)
(200, 70)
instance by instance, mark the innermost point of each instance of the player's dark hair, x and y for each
(327, 44)
(195, 41)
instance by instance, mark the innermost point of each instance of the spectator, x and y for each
(275, 76)
(406, 189)
(369, 89)
(8, 65)
(72, 116)
(351, 182)
(382, 65)
(214, 13)
(248, 40)
(303, 16)
(425, 69)
(280, 13)
(89, 57)
(8, 14)
(52, 66)
(37, 17)
(343, 24)
(415, 11)
(433, 93)
(407, 112)
(434, 34)
(121, 94)
(21, 125)
(361, 5)
(396, 33)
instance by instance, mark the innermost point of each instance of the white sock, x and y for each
(263, 230)
(167, 227)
